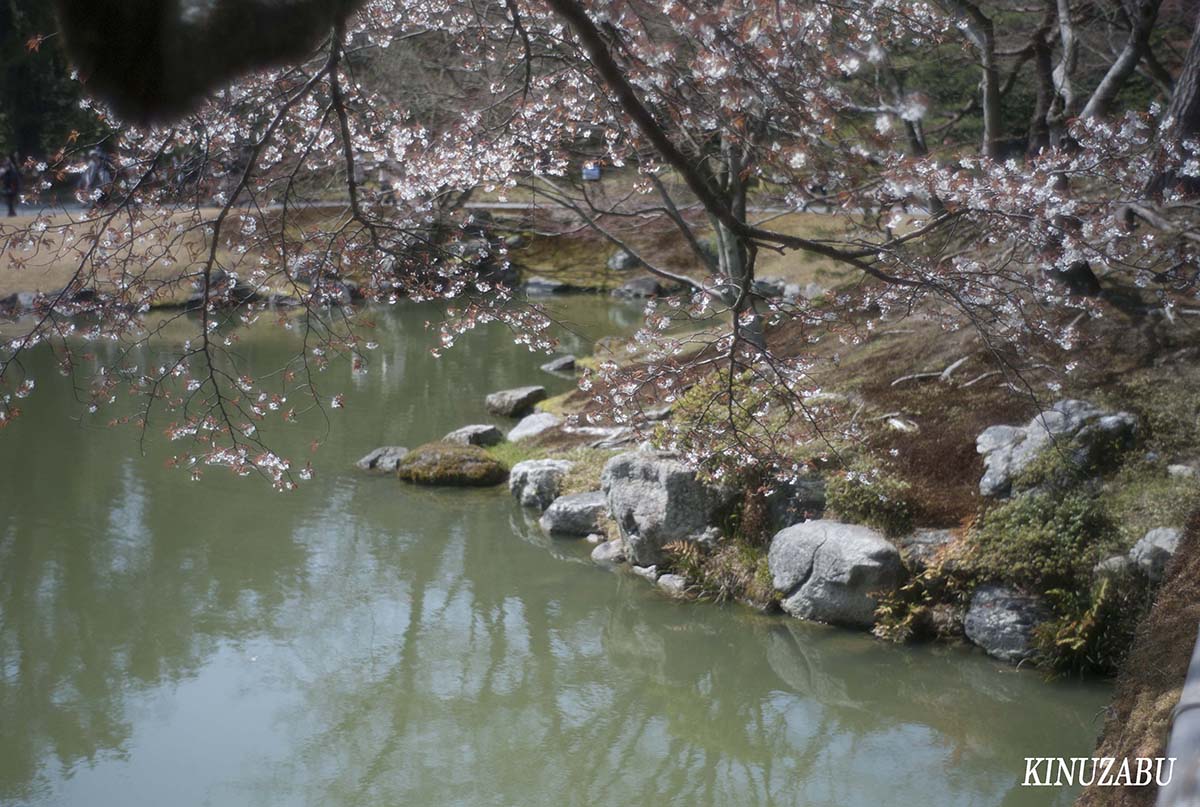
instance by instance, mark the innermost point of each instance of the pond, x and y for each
(361, 642)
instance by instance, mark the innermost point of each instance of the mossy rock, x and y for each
(452, 465)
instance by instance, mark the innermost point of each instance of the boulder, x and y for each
(514, 402)
(830, 572)
(920, 547)
(1115, 565)
(1078, 426)
(384, 459)
(542, 285)
(656, 498)
(641, 287)
(535, 483)
(277, 300)
(1001, 621)
(610, 552)
(769, 287)
(563, 364)
(533, 425)
(673, 584)
(576, 514)
(450, 464)
(623, 261)
(648, 572)
(792, 292)
(482, 434)
(607, 437)
(224, 289)
(1152, 552)
(19, 302)
(657, 414)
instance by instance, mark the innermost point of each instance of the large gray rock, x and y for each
(656, 498)
(1183, 471)
(673, 584)
(1078, 426)
(920, 547)
(535, 483)
(1152, 552)
(533, 425)
(384, 459)
(19, 302)
(563, 364)
(609, 552)
(769, 286)
(543, 285)
(640, 287)
(1115, 565)
(450, 464)
(516, 402)
(476, 435)
(623, 261)
(830, 572)
(576, 514)
(1001, 621)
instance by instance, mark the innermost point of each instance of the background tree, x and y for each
(714, 114)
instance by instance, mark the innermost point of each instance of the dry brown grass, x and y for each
(1148, 688)
(163, 256)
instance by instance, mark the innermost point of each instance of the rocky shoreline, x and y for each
(651, 511)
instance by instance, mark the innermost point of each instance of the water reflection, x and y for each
(360, 642)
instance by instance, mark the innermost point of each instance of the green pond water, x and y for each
(361, 642)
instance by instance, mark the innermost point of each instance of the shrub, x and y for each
(721, 422)
(1142, 496)
(914, 611)
(734, 570)
(1094, 628)
(1041, 540)
(871, 497)
(1071, 463)
(1167, 403)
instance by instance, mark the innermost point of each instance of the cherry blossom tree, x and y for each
(332, 163)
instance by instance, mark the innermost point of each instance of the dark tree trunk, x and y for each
(1039, 126)
(1141, 15)
(1184, 109)
(1183, 117)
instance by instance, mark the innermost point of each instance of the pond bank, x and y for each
(369, 639)
(1081, 498)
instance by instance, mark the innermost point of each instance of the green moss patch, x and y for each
(451, 464)
(509, 454)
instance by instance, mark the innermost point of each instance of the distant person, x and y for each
(97, 176)
(10, 183)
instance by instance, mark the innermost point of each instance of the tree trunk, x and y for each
(1039, 125)
(1183, 114)
(1142, 15)
(980, 31)
(1182, 121)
